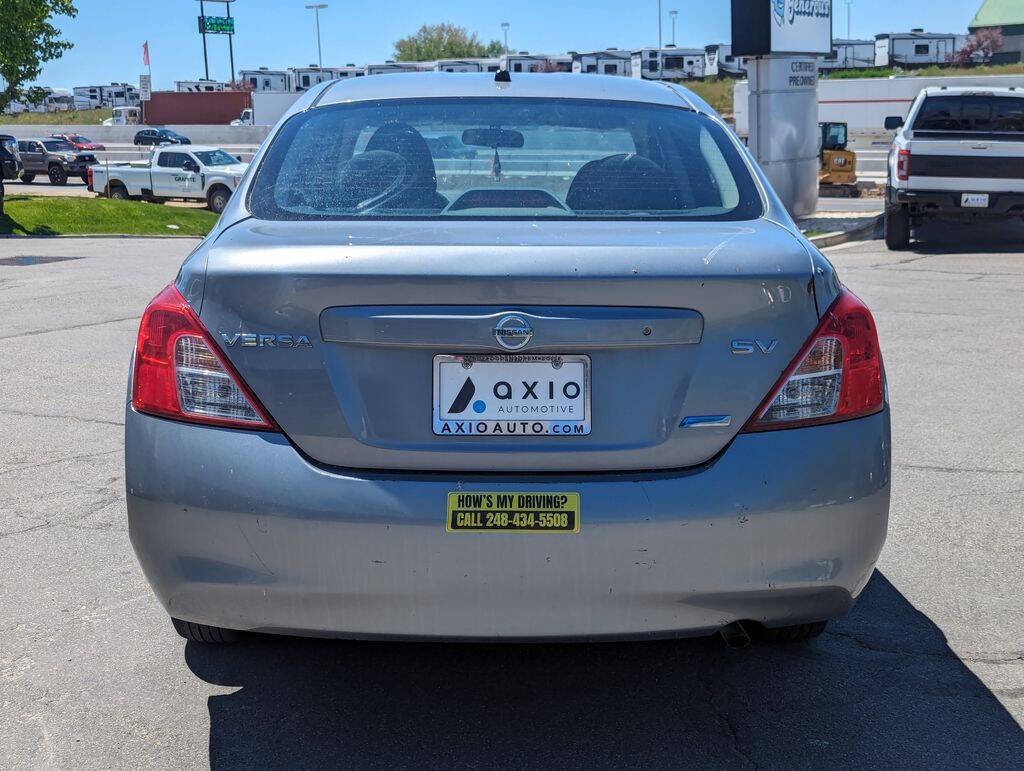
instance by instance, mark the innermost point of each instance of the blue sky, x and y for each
(108, 34)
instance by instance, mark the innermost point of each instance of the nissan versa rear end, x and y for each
(481, 358)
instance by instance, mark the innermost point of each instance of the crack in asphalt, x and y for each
(54, 462)
(974, 657)
(956, 469)
(34, 332)
(27, 414)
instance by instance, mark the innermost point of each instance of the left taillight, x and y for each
(181, 374)
(837, 375)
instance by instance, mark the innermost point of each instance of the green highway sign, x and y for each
(217, 25)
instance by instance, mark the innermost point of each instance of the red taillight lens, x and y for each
(903, 165)
(88, 174)
(181, 374)
(836, 376)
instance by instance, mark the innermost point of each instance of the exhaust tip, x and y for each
(735, 635)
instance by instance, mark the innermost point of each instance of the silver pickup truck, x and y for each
(194, 172)
(959, 154)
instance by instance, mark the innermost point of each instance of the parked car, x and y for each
(626, 399)
(958, 155)
(10, 163)
(160, 137)
(198, 173)
(79, 142)
(56, 158)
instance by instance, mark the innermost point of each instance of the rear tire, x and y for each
(118, 193)
(897, 228)
(27, 178)
(57, 175)
(796, 633)
(202, 633)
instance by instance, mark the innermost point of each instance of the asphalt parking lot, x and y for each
(927, 671)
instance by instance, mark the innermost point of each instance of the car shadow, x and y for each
(881, 688)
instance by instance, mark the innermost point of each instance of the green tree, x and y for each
(27, 40)
(442, 41)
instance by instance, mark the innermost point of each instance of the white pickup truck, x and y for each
(192, 172)
(959, 154)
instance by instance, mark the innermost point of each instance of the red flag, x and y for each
(145, 53)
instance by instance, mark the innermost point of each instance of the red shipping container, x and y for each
(212, 108)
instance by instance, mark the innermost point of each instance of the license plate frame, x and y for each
(515, 426)
(529, 512)
(974, 200)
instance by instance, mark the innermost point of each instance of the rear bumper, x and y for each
(236, 529)
(944, 203)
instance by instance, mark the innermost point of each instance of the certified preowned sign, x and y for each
(801, 26)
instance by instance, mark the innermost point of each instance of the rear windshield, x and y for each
(971, 114)
(500, 158)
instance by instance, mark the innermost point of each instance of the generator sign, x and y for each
(781, 27)
(216, 25)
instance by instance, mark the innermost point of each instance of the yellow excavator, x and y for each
(837, 170)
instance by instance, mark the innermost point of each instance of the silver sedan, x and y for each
(538, 357)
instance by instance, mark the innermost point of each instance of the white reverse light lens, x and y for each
(205, 388)
(812, 391)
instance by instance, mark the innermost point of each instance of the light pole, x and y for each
(659, 25)
(504, 28)
(848, 4)
(316, 7)
(673, 13)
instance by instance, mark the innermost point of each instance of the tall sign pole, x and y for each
(231, 45)
(206, 61)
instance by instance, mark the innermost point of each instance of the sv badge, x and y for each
(744, 347)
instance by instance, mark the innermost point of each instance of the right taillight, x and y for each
(903, 165)
(837, 375)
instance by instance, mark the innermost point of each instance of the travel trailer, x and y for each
(611, 61)
(916, 48)
(264, 79)
(669, 63)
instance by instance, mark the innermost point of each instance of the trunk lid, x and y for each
(653, 306)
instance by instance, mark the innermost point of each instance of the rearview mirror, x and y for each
(492, 137)
(893, 122)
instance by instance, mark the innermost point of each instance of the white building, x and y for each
(201, 85)
(848, 55)
(720, 62)
(916, 48)
(264, 79)
(611, 61)
(669, 63)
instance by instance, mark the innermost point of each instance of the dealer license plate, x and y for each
(974, 200)
(513, 512)
(511, 395)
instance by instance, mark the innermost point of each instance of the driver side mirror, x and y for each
(190, 165)
(893, 122)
